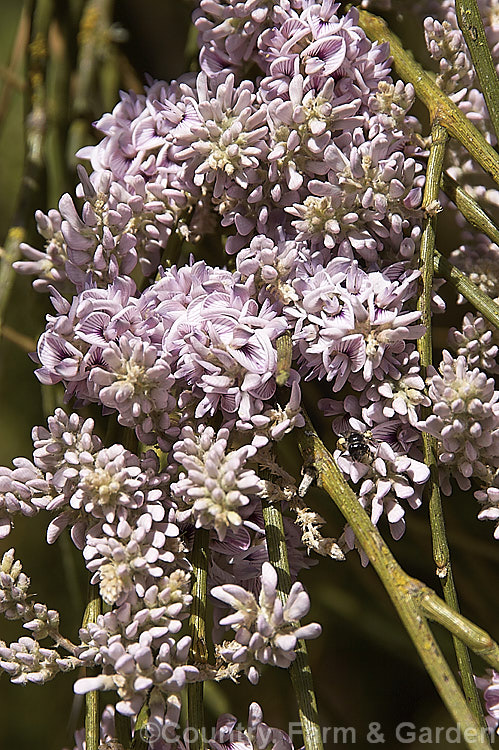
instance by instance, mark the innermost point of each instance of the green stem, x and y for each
(476, 638)
(34, 147)
(51, 398)
(459, 641)
(197, 629)
(96, 19)
(403, 590)
(441, 552)
(75, 9)
(123, 730)
(439, 138)
(58, 93)
(486, 306)
(139, 743)
(69, 562)
(92, 708)
(276, 547)
(93, 40)
(300, 672)
(440, 107)
(470, 209)
(25, 343)
(11, 75)
(470, 23)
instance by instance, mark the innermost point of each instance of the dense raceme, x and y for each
(292, 147)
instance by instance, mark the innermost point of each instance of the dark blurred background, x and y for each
(364, 666)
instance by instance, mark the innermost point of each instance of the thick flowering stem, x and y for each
(197, 629)
(441, 553)
(470, 23)
(474, 637)
(92, 707)
(301, 675)
(439, 138)
(470, 209)
(487, 307)
(404, 591)
(439, 106)
(276, 545)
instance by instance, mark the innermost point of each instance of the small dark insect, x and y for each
(356, 444)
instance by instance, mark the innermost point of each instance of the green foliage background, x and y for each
(364, 665)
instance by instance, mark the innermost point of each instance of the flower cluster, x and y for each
(131, 556)
(26, 660)
(313, 165)
(135, 662)
(465, 419)
(311, 148)
(128, 527)
(15, 496)
(115, 503)
(446, 44)
(119, 226)
(314, 172)
(477, 342)
(350, 325)
(16, 603)
(216, 485)
(195, 335)
(266, 630)
(292, 154)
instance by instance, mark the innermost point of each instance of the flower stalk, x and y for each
(197, 629)
(487, 307)
(470, 23)
(441, 552)
(92, 699)
(470, 209)
(474, 637)
(439, 138)
(300, 672)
